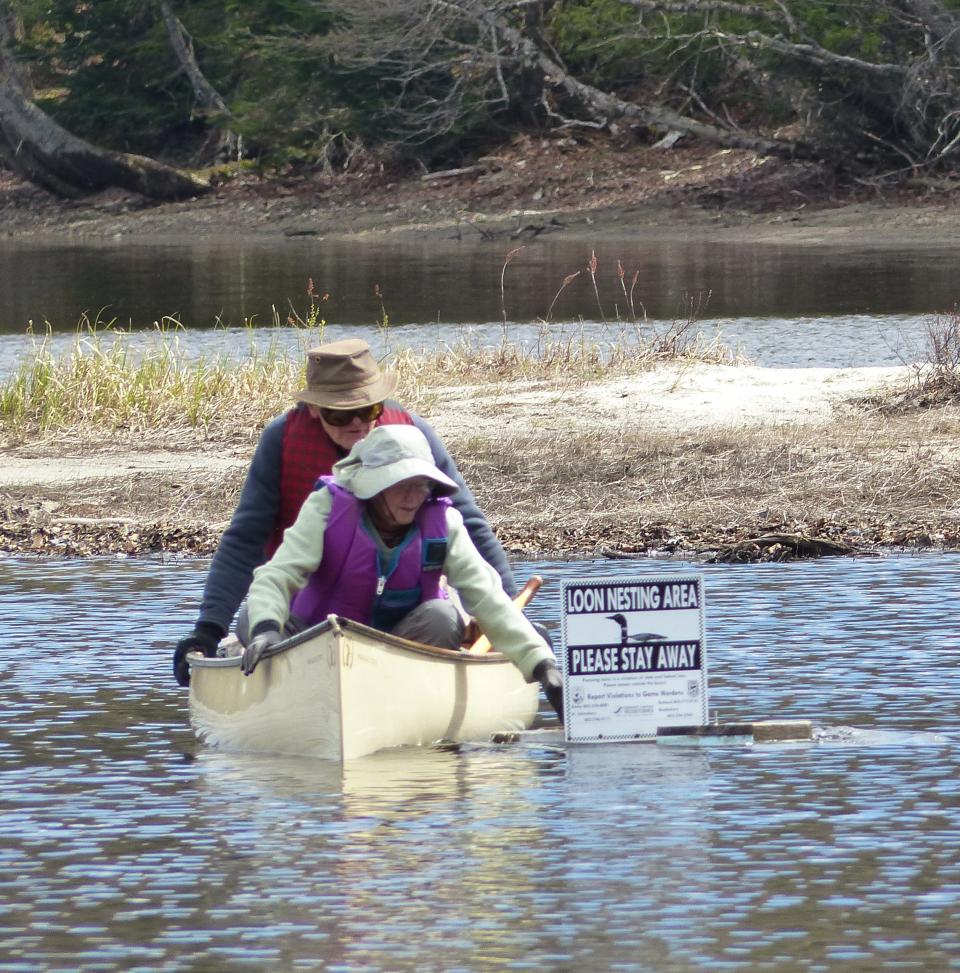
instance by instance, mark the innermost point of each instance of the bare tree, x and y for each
(40, 150)
(444, 61)
(450, 61)
(904, 103)
(226, 143)
(450, 58)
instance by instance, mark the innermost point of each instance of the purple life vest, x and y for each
(351, 580)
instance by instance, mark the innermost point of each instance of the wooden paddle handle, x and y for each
(521, 601)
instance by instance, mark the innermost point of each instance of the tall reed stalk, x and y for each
(503, 274)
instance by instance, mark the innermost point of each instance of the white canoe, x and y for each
(343, 690)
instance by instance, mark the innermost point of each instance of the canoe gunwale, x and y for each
(337, 624)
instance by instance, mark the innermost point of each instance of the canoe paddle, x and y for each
(521, 601)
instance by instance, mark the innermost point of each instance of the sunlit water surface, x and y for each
(825, 342)
(127, 846)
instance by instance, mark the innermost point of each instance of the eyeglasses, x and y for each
(343, 417)
(414, 485)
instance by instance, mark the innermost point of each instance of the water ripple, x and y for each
(130, 847)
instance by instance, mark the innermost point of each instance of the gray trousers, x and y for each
(435, 622)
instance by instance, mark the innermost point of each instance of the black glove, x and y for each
(254, 650)
(552, 684)
(205, 638)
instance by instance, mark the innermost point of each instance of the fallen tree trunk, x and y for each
(607, 107)
(780, 547)
(36, 148)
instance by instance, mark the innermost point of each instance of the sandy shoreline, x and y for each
(865, 226)
(680, 398)
(533, 188)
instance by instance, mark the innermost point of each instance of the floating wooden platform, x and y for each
(763, 731)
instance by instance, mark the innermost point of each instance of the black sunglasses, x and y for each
(343, 417)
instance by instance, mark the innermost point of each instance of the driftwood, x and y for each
(535, 229)
(453, 173)
(780, 547)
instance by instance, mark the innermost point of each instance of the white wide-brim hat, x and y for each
(386, 456)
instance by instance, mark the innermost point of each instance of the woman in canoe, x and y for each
(370, 544)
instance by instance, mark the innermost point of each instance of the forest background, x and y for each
(92, 92)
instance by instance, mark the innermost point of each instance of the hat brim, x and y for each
(380, 388)
(367, 482)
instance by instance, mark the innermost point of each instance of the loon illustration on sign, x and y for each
(634, 656)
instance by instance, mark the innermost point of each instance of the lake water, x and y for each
(782, 305)
(127, 846)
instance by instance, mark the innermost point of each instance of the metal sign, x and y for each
(634, 656)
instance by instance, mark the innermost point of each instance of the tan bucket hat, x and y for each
(345, 375)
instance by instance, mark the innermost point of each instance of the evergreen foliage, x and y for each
(313, 80)
(106, 72)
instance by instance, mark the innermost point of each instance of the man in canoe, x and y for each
(347, 395)
(370, 544)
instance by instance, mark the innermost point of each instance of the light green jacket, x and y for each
(276, 582)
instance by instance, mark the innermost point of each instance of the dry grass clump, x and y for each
(561, 358)
(936, 376)
(559, 354)
(101, 383)
(941, 376)
(860, 469)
